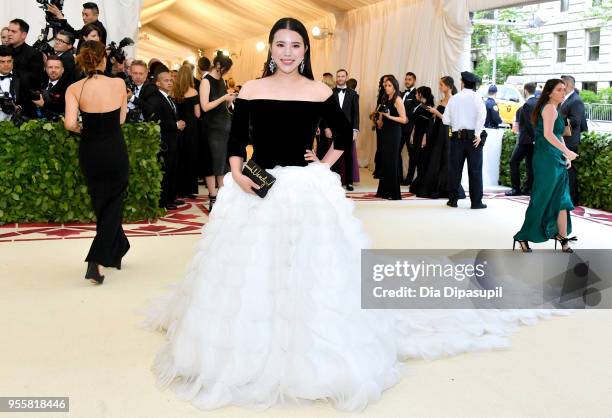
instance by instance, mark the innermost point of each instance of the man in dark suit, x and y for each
(160, 107)
(348, 100)
(524, 145)
(51, 103)
(572, 110)
(410, 102)
(28, 62)
(63, 47)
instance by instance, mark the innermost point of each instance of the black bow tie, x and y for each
(4, 77)
(341, 90)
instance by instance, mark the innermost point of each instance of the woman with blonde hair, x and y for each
(188, 109)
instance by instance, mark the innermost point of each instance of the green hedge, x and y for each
(594, 167)
(41, 181)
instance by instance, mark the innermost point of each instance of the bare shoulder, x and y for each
(549, 110)
(76, 86)
(249, 88)
(254, 88)
(320, 90)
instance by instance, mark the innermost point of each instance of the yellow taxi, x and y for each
(509, 99)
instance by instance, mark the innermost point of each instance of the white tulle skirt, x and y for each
(269, 312)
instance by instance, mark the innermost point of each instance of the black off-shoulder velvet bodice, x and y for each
(282, 130)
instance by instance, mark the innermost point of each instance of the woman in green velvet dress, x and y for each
(548, 213)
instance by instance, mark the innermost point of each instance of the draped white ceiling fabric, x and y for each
(120, 17)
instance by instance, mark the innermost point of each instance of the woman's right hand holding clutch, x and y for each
(245, 183)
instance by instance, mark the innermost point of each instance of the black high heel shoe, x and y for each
(211, 202)
(523, 244)
(93, 274)
(564, 241)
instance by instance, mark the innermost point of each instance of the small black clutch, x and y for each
(260, 177)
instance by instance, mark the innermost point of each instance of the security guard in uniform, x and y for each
(493, 119)
(466, 113)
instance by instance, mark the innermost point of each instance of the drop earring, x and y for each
(272, 65)
(302, 67)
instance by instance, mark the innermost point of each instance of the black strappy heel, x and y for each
(211, 202)
(523, 244)
(564, 243)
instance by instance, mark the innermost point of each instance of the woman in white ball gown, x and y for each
(269, 311)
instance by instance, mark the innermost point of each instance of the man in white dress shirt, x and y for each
(466, 114)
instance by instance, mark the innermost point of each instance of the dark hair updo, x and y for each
(91, 55)
(225, 63)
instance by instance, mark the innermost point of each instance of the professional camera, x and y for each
(43, 44)
(7, 104)
(129, 83)
(116, 52)
(44, 4)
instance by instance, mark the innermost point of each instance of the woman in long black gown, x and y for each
(373, 118)
(391, 117)
(434, 183)
(423, 124)
(102, 102)
(188, 109)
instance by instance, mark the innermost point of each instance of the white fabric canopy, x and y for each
(120, 17)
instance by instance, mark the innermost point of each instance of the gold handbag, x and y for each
(568, 129)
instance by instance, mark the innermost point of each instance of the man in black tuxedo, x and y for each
(51, 102)
(348, 100)
(28, 62)
(63, 47)
(160, 107)
(524, 145)
(572, 109)
(9, 84)
(410, 102)
(89, 14)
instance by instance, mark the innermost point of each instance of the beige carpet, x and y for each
(62, 336)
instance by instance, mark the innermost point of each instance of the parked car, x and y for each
(509, 99)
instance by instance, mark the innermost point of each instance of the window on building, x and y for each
(593, 44)
(590, 85)
(564, 5)
(561, 46)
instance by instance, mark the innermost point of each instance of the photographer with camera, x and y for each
(63, 47)
(28, 62)
(51, 100)
(90, 15)
(137, 79)
(11, 88)
(115, 66)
